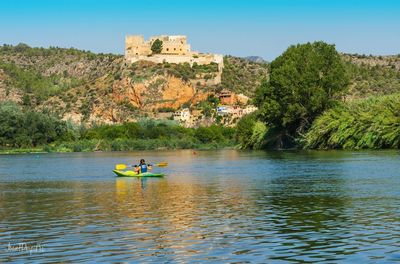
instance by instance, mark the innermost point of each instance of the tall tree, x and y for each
(304, 81)
(157, 46)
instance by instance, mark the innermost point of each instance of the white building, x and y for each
(223, 110)
(182, 115)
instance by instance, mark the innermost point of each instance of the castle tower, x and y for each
(136, 46)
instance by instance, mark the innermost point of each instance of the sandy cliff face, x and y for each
(114, 101)
(171, 92)
(174, 94)
(125, 91)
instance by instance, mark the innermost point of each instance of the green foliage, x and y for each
(304, 81)
(205, 68)
(209, 134)
(367, 123)
(143, 70)
(243, 76)
(250, 133)
(150, 130)
(26, 50)
(244, 131)
(20, 128)
(208, 107)
(258, 138)
(213, 100)
(165, 109)
(157, 46)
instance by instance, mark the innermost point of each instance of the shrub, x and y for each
(365, 123)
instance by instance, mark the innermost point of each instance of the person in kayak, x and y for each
(142, 167)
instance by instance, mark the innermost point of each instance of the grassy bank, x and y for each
(118, 145)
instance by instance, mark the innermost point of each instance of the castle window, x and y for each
(174, 48)
(167, 49)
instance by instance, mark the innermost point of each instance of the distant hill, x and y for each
(257, 59)
(372, 75)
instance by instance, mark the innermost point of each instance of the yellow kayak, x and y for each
(130, 173)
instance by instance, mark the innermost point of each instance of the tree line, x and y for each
(302, 105)
(24, 128)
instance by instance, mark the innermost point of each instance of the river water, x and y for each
(227, 206)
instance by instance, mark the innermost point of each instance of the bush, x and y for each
(20, 128)
(367, 123)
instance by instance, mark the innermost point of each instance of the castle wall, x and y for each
(200, 59)
(176, 45)
(175, 50)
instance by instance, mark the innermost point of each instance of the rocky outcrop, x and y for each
(125, 91)
(172, 92)
(175, 93)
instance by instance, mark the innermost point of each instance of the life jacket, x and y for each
(143, 168)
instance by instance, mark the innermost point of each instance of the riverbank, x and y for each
(25, 131)
(118, 145)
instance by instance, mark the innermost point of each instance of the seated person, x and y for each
(142, 167)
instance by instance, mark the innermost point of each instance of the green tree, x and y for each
(244, 130)
(304, 81)
(20, 128)
(157, 46)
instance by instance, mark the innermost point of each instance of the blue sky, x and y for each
(242, 28)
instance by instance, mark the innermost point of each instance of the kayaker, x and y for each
(143, 167)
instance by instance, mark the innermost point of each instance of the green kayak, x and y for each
(130, 173)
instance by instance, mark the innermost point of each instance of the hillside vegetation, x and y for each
(372, 75)
(40, 73)
(102, 88)
(243, 76)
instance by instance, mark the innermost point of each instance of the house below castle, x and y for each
(175, 49)
(227, 97)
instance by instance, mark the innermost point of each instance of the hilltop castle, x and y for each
(175, 49)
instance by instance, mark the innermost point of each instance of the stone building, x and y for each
(136, 46)
(182, 115)
(226, 97)
(175, 49)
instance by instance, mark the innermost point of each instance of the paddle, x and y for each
(124, 166)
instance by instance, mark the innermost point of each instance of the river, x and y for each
(226, 206)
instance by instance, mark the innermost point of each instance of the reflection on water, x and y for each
(224, 206)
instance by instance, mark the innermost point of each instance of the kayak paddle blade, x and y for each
(162, 164)
(120, 166)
